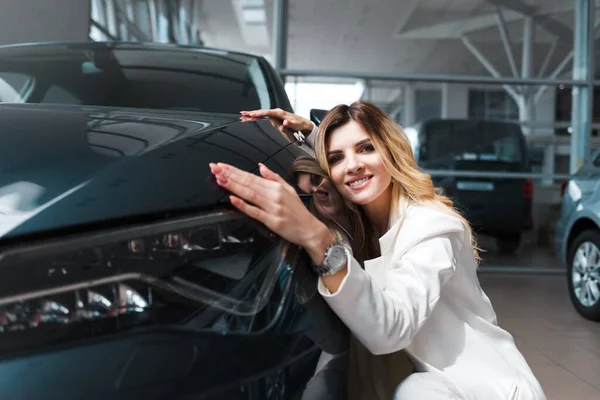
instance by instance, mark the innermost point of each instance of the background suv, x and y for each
(498, 207)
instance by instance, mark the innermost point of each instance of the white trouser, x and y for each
(330, 380)
(427, 385)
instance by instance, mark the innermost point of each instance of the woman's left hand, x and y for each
(272, 201)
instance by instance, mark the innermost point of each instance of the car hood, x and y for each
(63, 166)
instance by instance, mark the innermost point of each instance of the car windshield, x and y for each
(472, 141)
(137, 77)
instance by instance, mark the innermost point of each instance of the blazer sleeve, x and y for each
(386, 319)
(310, 139)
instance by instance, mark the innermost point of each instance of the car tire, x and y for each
(508, 244)
(584, 280)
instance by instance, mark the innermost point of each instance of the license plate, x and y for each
(474, 185)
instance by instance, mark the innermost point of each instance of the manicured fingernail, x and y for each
(221, 180)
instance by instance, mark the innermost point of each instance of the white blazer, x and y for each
(423, 295)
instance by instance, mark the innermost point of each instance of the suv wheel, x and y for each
(583, 274)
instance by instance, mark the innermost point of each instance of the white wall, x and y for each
(544, 112)
(25, 21)
(458, 101)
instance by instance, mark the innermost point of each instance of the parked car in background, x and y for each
(124, 271)
(577, 238)
(499, 207)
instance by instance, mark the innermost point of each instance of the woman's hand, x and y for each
(272, 201)
(285, 122)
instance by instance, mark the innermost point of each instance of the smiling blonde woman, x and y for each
(419, 289)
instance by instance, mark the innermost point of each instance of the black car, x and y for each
(497, 206)
(124, 271)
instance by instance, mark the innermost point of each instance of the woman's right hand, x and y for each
(285, 122)
(274, 202)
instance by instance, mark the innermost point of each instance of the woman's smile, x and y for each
(359, 183)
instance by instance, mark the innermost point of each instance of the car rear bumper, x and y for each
(505, 219)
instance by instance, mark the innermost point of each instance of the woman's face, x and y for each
(355, 166)
(327, 199)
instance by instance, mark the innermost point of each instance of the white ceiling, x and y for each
(390, 35)
(403, 36)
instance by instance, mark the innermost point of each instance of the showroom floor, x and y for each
(562, 348)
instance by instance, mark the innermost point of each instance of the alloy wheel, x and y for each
(586, 274)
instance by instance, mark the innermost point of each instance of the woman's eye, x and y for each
(367, 148)
(334, 159)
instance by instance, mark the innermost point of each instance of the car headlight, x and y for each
(152, 273)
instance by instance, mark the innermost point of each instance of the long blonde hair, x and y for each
(409, 184)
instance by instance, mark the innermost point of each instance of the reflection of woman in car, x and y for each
(328, 203)
(419, 288)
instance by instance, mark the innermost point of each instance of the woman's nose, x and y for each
(353, 164)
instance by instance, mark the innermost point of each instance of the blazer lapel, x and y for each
(377, 267)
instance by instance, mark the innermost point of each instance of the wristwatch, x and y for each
(335, 260)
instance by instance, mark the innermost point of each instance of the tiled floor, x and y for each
(529, 254)
(562, 348)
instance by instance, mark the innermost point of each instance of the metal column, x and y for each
(583, 69)
(445, 100)
(526, 98)
(410, 103)
(280, 34)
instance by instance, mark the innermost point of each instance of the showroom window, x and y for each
(492, 105)
(13, 86)
(428, 104)
(157, 21)
(563, 108)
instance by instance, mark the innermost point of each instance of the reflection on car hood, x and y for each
(63, 166)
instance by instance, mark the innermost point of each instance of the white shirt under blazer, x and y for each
(423, 295)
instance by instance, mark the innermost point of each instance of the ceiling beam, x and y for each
(508, 48)
(547, 59)
(488, 65)
(405, 16)
(456, 29)
(549, 23)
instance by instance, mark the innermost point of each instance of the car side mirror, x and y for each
(317, 115)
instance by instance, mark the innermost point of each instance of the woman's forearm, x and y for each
(316, 249)
(307, 126)
(333, 282)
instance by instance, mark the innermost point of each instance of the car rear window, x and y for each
(157, 78)
(472, 141)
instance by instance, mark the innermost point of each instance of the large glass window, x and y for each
(428, 104)
(448, 141)
(492, 105)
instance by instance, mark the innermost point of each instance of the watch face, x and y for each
(336, 258)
